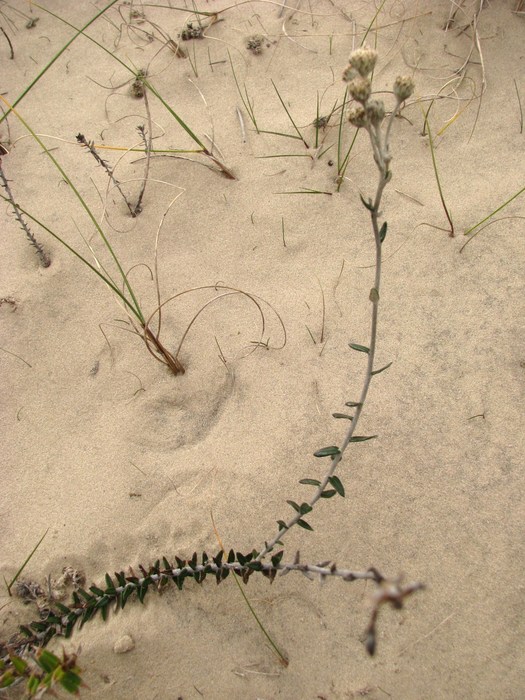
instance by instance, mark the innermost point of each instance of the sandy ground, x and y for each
(122, 462)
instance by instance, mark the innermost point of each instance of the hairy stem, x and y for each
(44, 258)
(382, 158)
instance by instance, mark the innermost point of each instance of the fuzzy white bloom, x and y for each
(357, 116)
(403, 87)
(360, 89)
(375, 111)
(363, 60)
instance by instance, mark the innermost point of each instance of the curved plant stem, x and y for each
(382, 157)
(426, 127)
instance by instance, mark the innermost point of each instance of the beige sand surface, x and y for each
(122, 462)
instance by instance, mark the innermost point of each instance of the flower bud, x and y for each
(349, 74)
(360, 89)
(357, 116)
(363, 60)
(403, 87)
(375, 111)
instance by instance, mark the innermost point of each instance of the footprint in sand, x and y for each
(181, 414)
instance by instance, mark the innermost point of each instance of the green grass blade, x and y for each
(146, 82)
(305, 190)
(106, 279)
(280, 133)
(101, 233)
(248, 106)
(289, 115)
(278, 652)
(372, 22)
(317, 121)
(56, 56)
(285, 155)
(346, 160)
(436, 173)
(176, 116)
(494, 212)
(15, 577)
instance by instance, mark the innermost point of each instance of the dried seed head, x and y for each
(137, 88)
(360, 89)
(255, 43)
(363, 60)
(349, 74)
(357, 116)
(403, 87)
(192, 30)
(375, 111)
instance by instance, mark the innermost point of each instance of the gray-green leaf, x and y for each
(378, 371)
(338, 486)
(327, 451)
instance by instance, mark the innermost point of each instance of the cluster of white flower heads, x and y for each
(403, 87)
(369, 111)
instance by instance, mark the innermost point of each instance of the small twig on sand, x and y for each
(44, 258)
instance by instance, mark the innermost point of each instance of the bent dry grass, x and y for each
(140, 322)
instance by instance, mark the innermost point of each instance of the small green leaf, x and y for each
(368, 204)
(305, 508)
(353, 404)
(294, 505)
(282, 525)
(276, 559)
(329, 493)
(362, 438)
(382, 232)
(19, 664)
(32, 685)
(96, 590)
(359, 348)
(310, 482)
(84, 594)
(125, 595)
(305, 525)
(378, 371)
(338, 486)
(71, 682)
(62, 608)
(120, 578)
(255, 565)
(327, 451)
(47, 661)
(7, 679)
(374, 295)
(342, 415)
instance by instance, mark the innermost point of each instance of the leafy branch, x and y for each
(42, 672)
(370, 115)
(61, 620)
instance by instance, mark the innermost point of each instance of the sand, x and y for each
(121, 462)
